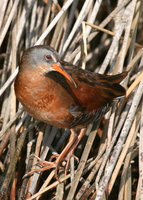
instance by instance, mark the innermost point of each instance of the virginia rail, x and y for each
(63, 95)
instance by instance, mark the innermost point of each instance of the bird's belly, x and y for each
(50, 107)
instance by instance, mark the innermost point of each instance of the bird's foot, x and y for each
(45, 165)
(65, 155)
(66, 158)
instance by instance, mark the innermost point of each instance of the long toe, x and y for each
(45, 167)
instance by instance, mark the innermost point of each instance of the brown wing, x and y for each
(95, 90)
(93, 95)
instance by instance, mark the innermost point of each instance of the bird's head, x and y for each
(44, 58)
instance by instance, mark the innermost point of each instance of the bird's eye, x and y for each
(48, 57)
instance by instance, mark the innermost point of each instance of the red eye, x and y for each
(48, 57)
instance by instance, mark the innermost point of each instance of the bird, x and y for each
(64, 95)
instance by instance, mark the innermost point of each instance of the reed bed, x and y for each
(100, 36)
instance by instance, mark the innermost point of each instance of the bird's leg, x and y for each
(63, 154)
(73, 136)
(70, 152)
(48, 164)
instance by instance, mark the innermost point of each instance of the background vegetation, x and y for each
(111, 153)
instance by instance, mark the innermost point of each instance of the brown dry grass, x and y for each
(111, 152)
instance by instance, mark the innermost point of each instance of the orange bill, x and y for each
(58, 68)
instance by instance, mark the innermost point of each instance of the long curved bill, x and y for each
(58, 67)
